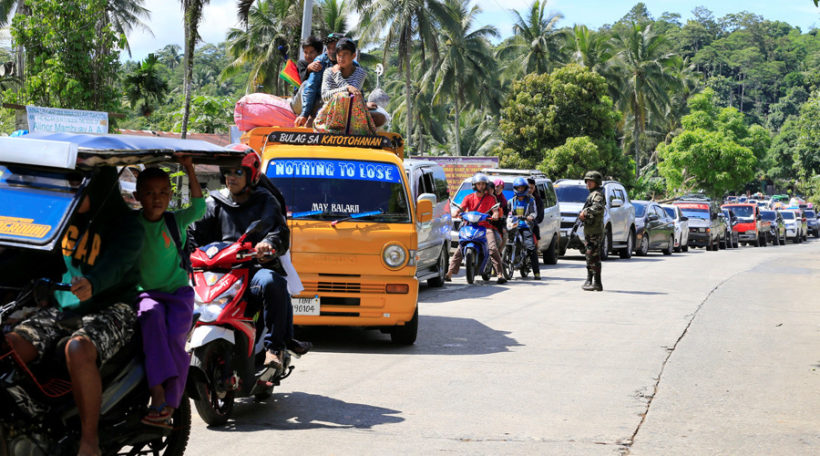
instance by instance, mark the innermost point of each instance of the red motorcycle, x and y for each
(226, 344)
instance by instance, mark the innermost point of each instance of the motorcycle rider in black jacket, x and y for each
(228, 215)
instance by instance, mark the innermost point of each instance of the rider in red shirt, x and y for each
(482, 200)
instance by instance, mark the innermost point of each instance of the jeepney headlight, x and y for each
(394, 256)
(209, 311)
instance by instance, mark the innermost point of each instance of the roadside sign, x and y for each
(59, 120)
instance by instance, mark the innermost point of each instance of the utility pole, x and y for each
(307, 21)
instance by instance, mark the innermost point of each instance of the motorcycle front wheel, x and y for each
(506, 263)
(470, 263)
(213, 406)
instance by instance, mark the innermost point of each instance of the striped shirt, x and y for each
(333, 82)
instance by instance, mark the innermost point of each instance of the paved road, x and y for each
(698, 353)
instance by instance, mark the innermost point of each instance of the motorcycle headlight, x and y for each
(394, 256)
(209, 311)
(472, 217)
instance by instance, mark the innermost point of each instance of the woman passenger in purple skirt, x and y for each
(166, 302)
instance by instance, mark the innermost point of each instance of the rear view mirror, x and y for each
(651, 218)
(616, 203)
(424, 210)
(429, 197)
(684, 218)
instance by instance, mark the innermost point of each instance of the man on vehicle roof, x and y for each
(592, 215)
(311, 94)
(228, 215)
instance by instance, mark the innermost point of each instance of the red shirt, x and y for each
(480, 203)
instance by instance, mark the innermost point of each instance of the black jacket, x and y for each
(226, 221)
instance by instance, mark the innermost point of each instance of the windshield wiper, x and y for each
(356, 216)
(308, 214)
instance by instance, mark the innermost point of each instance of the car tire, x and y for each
(551, 254)
(606, 244)
(406, 334)
(443, 264)
(685, 247)
(722, 244)
(643, 248)
(626, 253)
(668, 250)
(783, 240)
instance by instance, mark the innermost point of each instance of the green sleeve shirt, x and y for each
(159, 261)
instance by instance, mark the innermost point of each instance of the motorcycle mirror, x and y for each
(495, 206)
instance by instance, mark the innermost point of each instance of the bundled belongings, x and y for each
(263, 110)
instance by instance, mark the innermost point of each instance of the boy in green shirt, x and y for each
(167, 301)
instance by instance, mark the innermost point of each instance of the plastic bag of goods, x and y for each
(263, 110)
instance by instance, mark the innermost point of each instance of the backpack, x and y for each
(183, 250)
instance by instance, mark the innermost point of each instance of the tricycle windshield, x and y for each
(35, 203)
(329, 189)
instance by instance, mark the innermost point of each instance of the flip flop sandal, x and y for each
(160, 414)
(166, 424)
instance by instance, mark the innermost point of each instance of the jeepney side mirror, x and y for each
(684, 218)
(424, 208)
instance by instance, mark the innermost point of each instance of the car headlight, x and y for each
(394, 256)
(209, 311)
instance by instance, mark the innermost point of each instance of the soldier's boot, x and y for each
(588, 284)
(597, 286)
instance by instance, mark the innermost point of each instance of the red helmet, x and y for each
(253, 164)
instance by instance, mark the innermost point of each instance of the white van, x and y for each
(428, 181)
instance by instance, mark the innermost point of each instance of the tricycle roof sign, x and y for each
(118, 150)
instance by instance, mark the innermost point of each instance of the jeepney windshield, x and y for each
(327, 189)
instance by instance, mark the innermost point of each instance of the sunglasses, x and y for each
(239, 172)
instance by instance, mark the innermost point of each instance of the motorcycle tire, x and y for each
(172, 444)
(488, 271)
(506, 263)
(470, 265)
(213, 410)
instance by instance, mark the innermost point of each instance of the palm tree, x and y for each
(536, 45)
(257, 45)
(144, 85)
(192, 10)
(170, 55)
(478, 136)
(125, 16)
(590, 49)
(404, 20)
(466, 61)
(647, 76)
(8, 8)
(333, 18)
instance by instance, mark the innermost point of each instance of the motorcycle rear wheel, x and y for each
(213, 410)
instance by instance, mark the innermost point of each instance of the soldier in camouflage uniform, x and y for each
(592, 215)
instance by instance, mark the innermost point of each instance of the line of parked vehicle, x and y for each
(633, 227)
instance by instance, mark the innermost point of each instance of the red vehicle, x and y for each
(227, 356)
(750, 226)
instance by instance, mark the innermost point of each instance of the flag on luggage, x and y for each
(291, 74)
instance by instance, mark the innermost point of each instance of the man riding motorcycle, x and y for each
(523, 206)
(481, 201)
(100, 249)
(228, 215)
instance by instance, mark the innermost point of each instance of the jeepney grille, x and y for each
(342, 287)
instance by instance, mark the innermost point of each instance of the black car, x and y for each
(777, 233)
(732, 240)
(655, 230)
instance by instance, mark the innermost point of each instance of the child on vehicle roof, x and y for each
(167, 301)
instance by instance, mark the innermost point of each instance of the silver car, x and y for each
(681, 227)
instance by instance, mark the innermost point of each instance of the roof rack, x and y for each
(513, 172)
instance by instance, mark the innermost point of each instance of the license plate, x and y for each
(306, 306)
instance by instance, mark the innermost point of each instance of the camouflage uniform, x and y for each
(594, 231)
(108, 329)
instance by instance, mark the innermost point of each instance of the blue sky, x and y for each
(220, 15)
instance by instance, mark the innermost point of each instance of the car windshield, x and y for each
(810, 214)
(670, 211)
(696, 213)
(329, 189)
(787, 215)
(743, 211)
(768, 215)
(465, 189)
(640, 208)
(571, 193)
(34, 202)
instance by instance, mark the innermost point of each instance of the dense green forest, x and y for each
(715, 104)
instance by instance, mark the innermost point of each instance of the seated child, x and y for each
(339, 83)
(166, 302)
